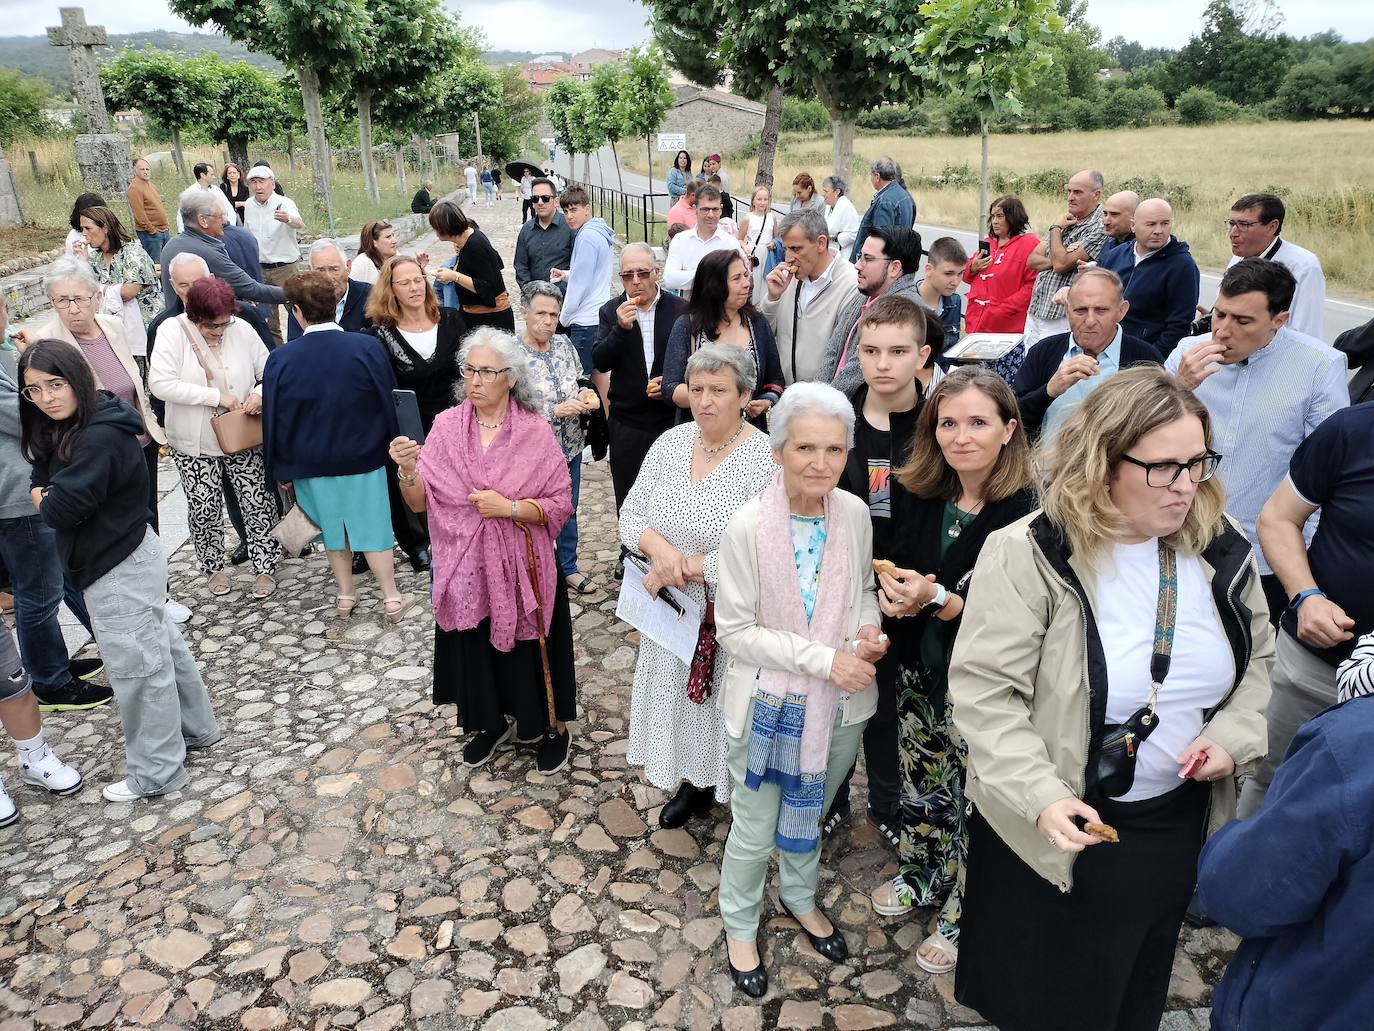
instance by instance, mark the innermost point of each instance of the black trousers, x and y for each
(526, 207)
(880, 754)
(628, 446)
(410, 529)
(150, 459)
(1275, 595)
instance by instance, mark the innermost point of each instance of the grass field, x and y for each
(47, 200)
(1324, 171)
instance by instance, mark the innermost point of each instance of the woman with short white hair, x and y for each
(841, 217)
(798, 615)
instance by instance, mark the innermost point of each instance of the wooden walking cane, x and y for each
(539, 610)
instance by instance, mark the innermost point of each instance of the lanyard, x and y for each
(1166, 611)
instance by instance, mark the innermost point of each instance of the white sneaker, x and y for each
(179, 612)
(9, 812)
(120, 791)
(50, 773)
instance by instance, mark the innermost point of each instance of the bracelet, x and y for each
(1302, 596)
(405, 481)
(514, 509)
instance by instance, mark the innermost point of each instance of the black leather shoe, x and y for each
(753, 983)
(833, 947)
(359, 563)
(421, 561)
(240, 555)
(688, 801)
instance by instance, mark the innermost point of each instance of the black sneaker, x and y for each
(837, 815)
(553, 752)
(890, 827)
(482, 746)
(85, 669)
(359, 563)
(240, 555)
(71, 696)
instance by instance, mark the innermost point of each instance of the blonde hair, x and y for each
(382, 306)
(1077, 466)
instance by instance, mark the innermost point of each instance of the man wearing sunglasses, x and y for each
(545, 241)
(1253, 227)
(1266, 386)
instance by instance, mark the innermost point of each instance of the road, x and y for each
(1340, 314)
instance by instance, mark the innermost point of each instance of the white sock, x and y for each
(30, 747)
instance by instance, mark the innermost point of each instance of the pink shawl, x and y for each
(481, 568)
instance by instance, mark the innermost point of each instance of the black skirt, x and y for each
(500, 319)
(490, 685)
(1033, 958)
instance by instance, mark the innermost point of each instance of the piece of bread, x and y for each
(882, 565)
(1103, 831)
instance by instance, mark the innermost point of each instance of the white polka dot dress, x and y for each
(675, 739)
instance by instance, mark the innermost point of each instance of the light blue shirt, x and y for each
(1262, 409)
(338, 308)
(1108, 362)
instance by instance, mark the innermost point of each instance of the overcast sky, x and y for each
(557, 24)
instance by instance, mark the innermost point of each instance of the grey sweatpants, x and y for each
(14, 679)
(163, 704)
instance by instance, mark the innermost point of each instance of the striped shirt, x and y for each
(1262, 408)
(1355, 676)
(1089, 235)
(111, 375)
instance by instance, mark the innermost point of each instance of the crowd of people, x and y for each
(1042, 592)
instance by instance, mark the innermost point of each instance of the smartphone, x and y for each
(1193, 764)
(408, 422)
(984, 248)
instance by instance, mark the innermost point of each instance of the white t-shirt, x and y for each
(1200, 674)
(364, 270)
(423, 343)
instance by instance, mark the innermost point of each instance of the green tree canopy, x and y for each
(21, 107)
(175, 92)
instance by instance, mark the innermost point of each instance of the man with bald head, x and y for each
(350, 296)
(1161, 277)
(1117, 212)
(1076, 237)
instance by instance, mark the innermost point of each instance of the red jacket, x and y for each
(1005, 285)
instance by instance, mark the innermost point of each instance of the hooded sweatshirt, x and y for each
(1162, 289)
(98, 502)
(589, 279)
(14, 471)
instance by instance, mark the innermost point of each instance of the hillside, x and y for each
(33, 55)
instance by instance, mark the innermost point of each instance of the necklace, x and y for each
(489, 426)
(957, 527)
(711, 452)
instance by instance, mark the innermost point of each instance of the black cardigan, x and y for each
(620, 352)
(1043, 361)
(433, 379)
(478, 259)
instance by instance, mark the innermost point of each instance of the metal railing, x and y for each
(634, 217)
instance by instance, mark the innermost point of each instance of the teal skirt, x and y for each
(352, 512)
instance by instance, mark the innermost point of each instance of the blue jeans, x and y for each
(153, 244)
(28, 547)
(567, 537)
(584, 339)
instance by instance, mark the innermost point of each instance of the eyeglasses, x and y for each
(53, 388)
(636, 273)
(75, 301)
(868, 259)
(218, 327)
(1165, 474)
(541, 198)
(482, 375)
(1241, 224)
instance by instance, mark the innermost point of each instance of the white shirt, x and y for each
(526, 188)
(809, 288)
(470, 174)
(213, 190)
(423, 343)
(1200, 673)
(1307, 313)
(842, 222)
(686, 252)
(364, 270)
(276, 239)
(645, 318)
(319, 327)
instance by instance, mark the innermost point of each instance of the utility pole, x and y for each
(477, 129)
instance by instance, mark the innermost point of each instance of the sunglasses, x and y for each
(541, 198)
(636, 273)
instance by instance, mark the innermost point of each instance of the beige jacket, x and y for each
(176, 375)
(801, 346)
(1019, 677)
(751, 647)
(113, 328)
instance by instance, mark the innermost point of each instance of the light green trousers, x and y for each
(754, 819)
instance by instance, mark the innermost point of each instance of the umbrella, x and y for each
(515, 169)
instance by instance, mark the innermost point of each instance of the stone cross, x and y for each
(82, 39)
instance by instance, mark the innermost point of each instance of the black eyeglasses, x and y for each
(1165, 474)
(541, 198)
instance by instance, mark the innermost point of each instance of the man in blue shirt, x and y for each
(891, 204)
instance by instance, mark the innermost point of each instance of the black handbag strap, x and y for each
(1166, 613)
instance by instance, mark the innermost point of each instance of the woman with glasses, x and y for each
(89, 485)
(476, 272)
(328, 416)
(1109, 679)
(132, 289)
(206, 362)
(494, 485)
(376, 246)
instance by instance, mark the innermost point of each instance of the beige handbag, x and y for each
(295, 531)
(235, 431)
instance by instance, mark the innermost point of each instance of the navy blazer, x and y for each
(620, 352)
(354, 319)
(1043, 361)
(327, 407)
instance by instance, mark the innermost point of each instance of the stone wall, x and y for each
(712, 127)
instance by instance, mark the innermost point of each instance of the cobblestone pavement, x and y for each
(332, 863)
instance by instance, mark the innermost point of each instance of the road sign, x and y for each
(668, 141)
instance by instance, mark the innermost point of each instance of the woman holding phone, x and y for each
(1000, 282)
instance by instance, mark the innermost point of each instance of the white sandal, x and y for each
(945, 947)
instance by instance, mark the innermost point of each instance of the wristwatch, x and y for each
(1302, 596)
(939, 600)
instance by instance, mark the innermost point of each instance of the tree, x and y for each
(508, 122)
(646, 97)
(21, 106)
(559, 99)
(174, 91)
(604, 91)
(248, 106)
(588, 133)
(1308, 91)
(322, 41)
(1235, 57)
(988, 52)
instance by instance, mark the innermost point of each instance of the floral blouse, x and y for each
(132, 265)
(808, 543)
(555, 373)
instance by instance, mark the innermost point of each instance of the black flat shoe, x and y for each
(753, 983)
(833, 946)
(688, 802)
(240, 555)
(359, 563)
(421, 561)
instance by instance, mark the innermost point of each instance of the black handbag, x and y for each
(1116, 755)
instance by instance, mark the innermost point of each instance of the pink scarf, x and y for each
(481, 567)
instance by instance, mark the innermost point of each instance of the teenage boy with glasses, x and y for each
(545, 241)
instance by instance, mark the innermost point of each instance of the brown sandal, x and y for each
(264, 586)
(219, 583)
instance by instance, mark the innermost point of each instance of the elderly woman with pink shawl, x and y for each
(495, 484)
(797, 613)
